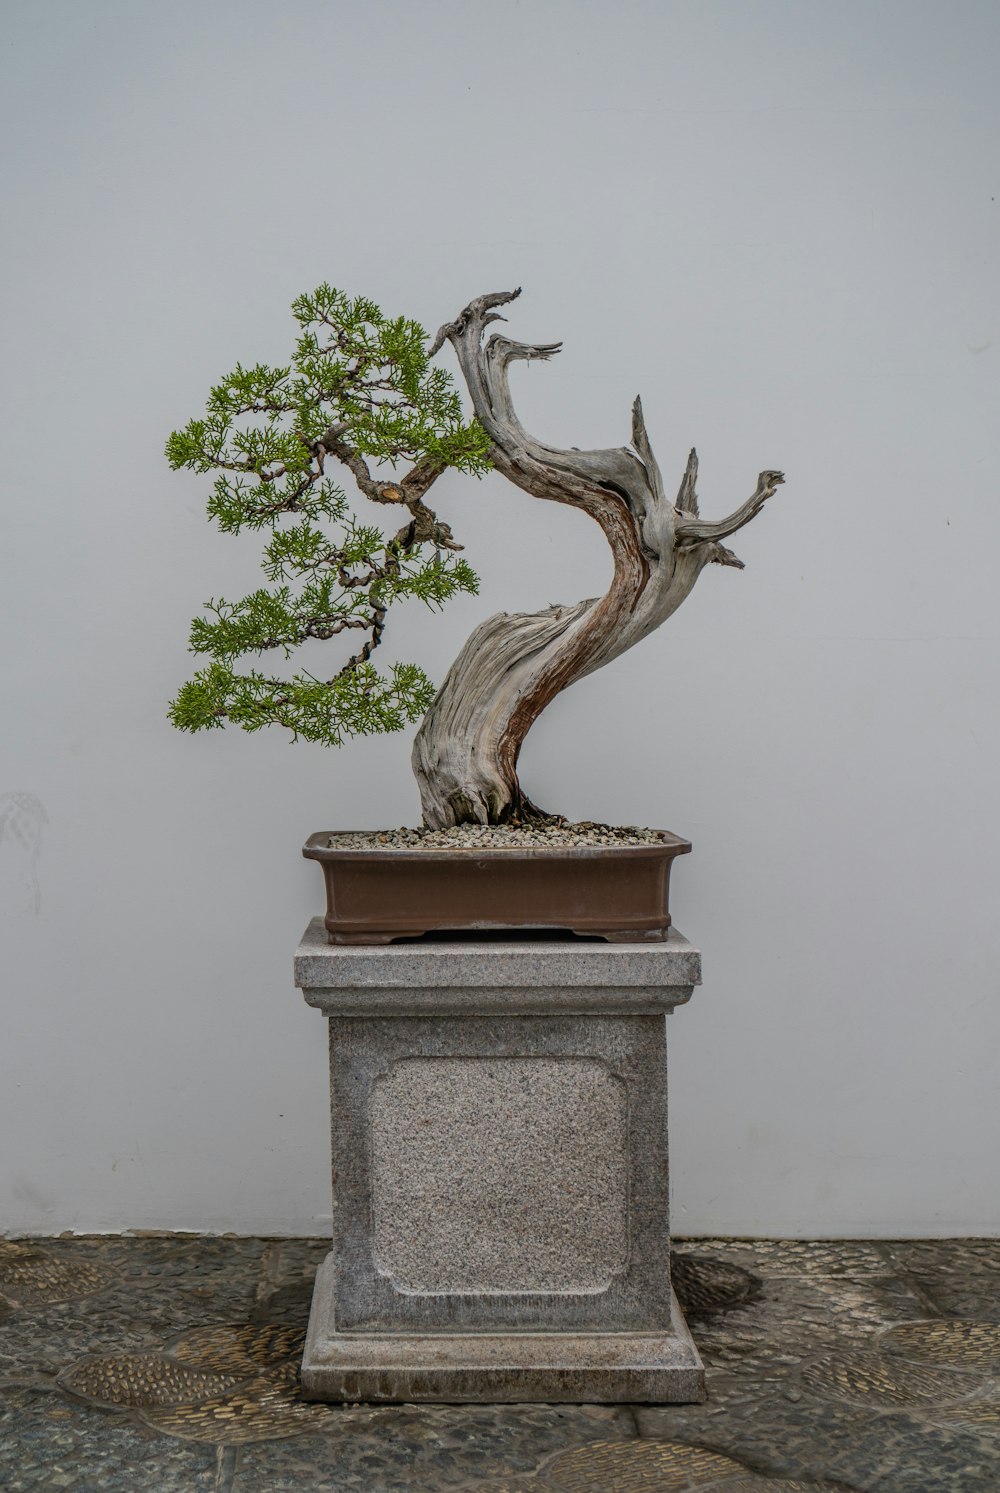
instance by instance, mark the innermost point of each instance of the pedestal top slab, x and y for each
(515, 975)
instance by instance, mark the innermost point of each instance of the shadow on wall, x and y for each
(22, 822)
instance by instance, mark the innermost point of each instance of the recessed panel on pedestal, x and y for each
(499, 1174)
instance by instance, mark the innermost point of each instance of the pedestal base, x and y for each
(497, 1367)
(500, 1173)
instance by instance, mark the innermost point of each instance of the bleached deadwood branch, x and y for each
(466, 751)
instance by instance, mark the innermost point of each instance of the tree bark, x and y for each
(466, 751)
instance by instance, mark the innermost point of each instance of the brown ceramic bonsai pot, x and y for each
(376, 895)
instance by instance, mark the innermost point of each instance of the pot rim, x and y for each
(318, 848)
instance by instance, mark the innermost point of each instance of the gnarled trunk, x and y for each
(466, 751)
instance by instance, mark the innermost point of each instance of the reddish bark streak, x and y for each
(631, 575)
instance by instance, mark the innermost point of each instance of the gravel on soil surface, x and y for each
(496, 837)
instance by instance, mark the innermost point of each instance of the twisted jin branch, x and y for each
(466, 751)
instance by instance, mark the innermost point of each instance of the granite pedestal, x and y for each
(500, 1180)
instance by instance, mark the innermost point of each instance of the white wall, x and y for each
(776, 220)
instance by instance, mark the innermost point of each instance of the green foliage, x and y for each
(359, 702)
(359, 390)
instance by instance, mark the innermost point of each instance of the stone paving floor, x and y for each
(169, 1362)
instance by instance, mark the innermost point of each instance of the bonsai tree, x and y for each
(360, 396)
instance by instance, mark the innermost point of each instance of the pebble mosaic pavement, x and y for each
(169, 1363)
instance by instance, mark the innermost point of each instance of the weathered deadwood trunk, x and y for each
(466, 751)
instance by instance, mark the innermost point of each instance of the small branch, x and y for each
(640, 440)
(331, 441)
(324, 630)
(287, 504)
(333, 433)
(421, 478)
(475, 312)
(316, 627)
(355, 582)
(693, 530)
(424, 526)
(377, 624)
(687, 497)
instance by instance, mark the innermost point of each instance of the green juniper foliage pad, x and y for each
(360, 396)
